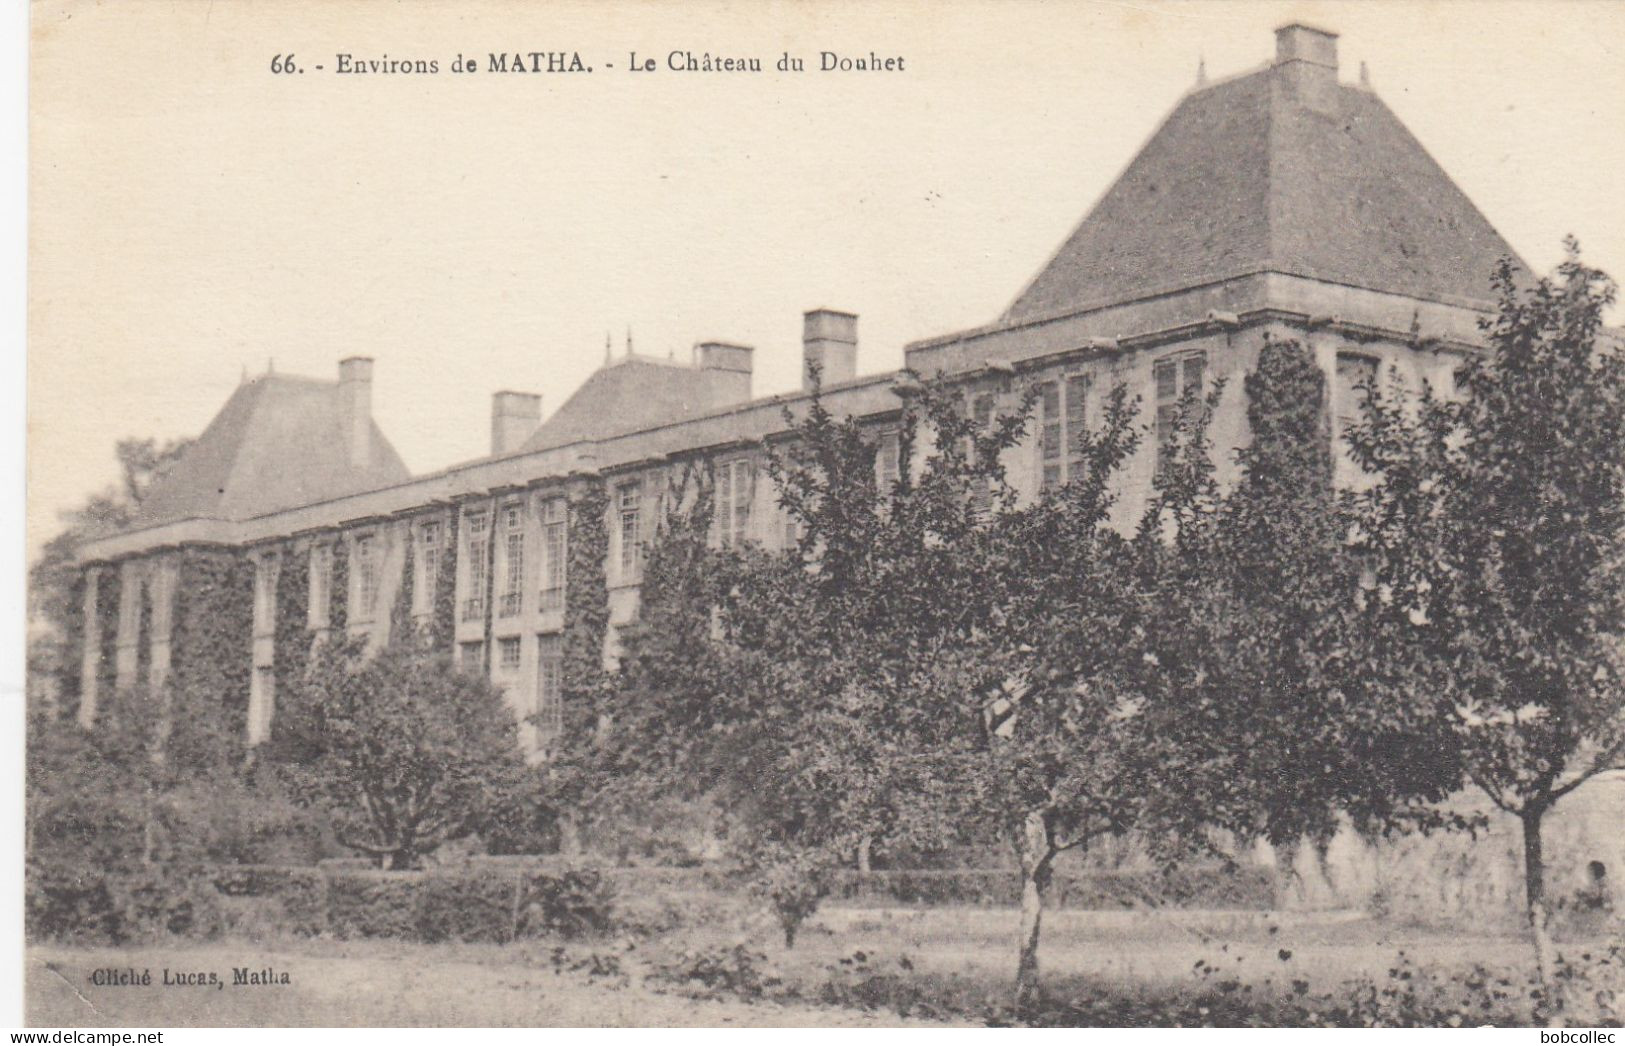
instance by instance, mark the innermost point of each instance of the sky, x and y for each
(194, 216)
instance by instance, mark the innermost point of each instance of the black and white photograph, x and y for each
(824, 515)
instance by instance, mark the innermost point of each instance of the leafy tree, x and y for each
(952, 646)
(1496, 531)
(403, 751)
(1275, 692)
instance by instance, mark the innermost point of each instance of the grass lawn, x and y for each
(393, 983)
(376, 984)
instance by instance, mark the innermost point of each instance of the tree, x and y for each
(967, 647)
(1276, 698)
(1496, 530)
(401, 749)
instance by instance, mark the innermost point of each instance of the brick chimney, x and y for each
(515, 416)
(1307, 60)
(829, 340)
(730, 370)
(355, 405)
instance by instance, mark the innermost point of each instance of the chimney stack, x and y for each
(730, 366)
(1307, 58)
(355, 399)
(515, 417)
(829, 341)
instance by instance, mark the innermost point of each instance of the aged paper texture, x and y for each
(415, 396)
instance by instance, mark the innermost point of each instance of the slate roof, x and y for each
(1245, 176)
(627, 394)
(278, 442)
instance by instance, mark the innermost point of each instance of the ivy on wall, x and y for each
(402, 626)
(290, 628)
(338, 591)
(107, 604)
(586, 597)
(490, 585)
(143, 632)
(213, 625)
(443, 623)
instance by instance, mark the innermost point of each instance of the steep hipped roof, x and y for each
(631, 393)
(1256, 174)
(278, 442)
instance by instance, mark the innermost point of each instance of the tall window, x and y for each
(628, 513)
(550, 685)
(474, 605)
(1173, 377)
(508, 654)
(1062, 429)
(1077, 421)
(553, 553)
(321, 585)
(513, 557)
(366, 576)
(981, 495)
(1356, 374)
(471, 656)
(264, 596)
(888, 462)
(734, 488)
(428, 567)
(1049, 434)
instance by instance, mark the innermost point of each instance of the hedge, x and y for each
(120, 907)
(491, 904)
(297, 896)
(1202, 886)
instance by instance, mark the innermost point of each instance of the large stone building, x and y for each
(1285, 203)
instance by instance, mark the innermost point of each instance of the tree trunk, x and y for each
(1036, 853)
(864, 845)
(1550, 1010)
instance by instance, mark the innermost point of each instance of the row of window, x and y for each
(547, 698)
(1063, 412)
(1062, 423)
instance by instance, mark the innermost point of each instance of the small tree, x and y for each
(402, 751)
(1497, 533)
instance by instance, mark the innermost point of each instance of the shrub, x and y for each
(295, 898)
(720, 971)
(373, 904)
(568, 902)
(468, 906)
(158, 901)
(63, 904)
(119, 907)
